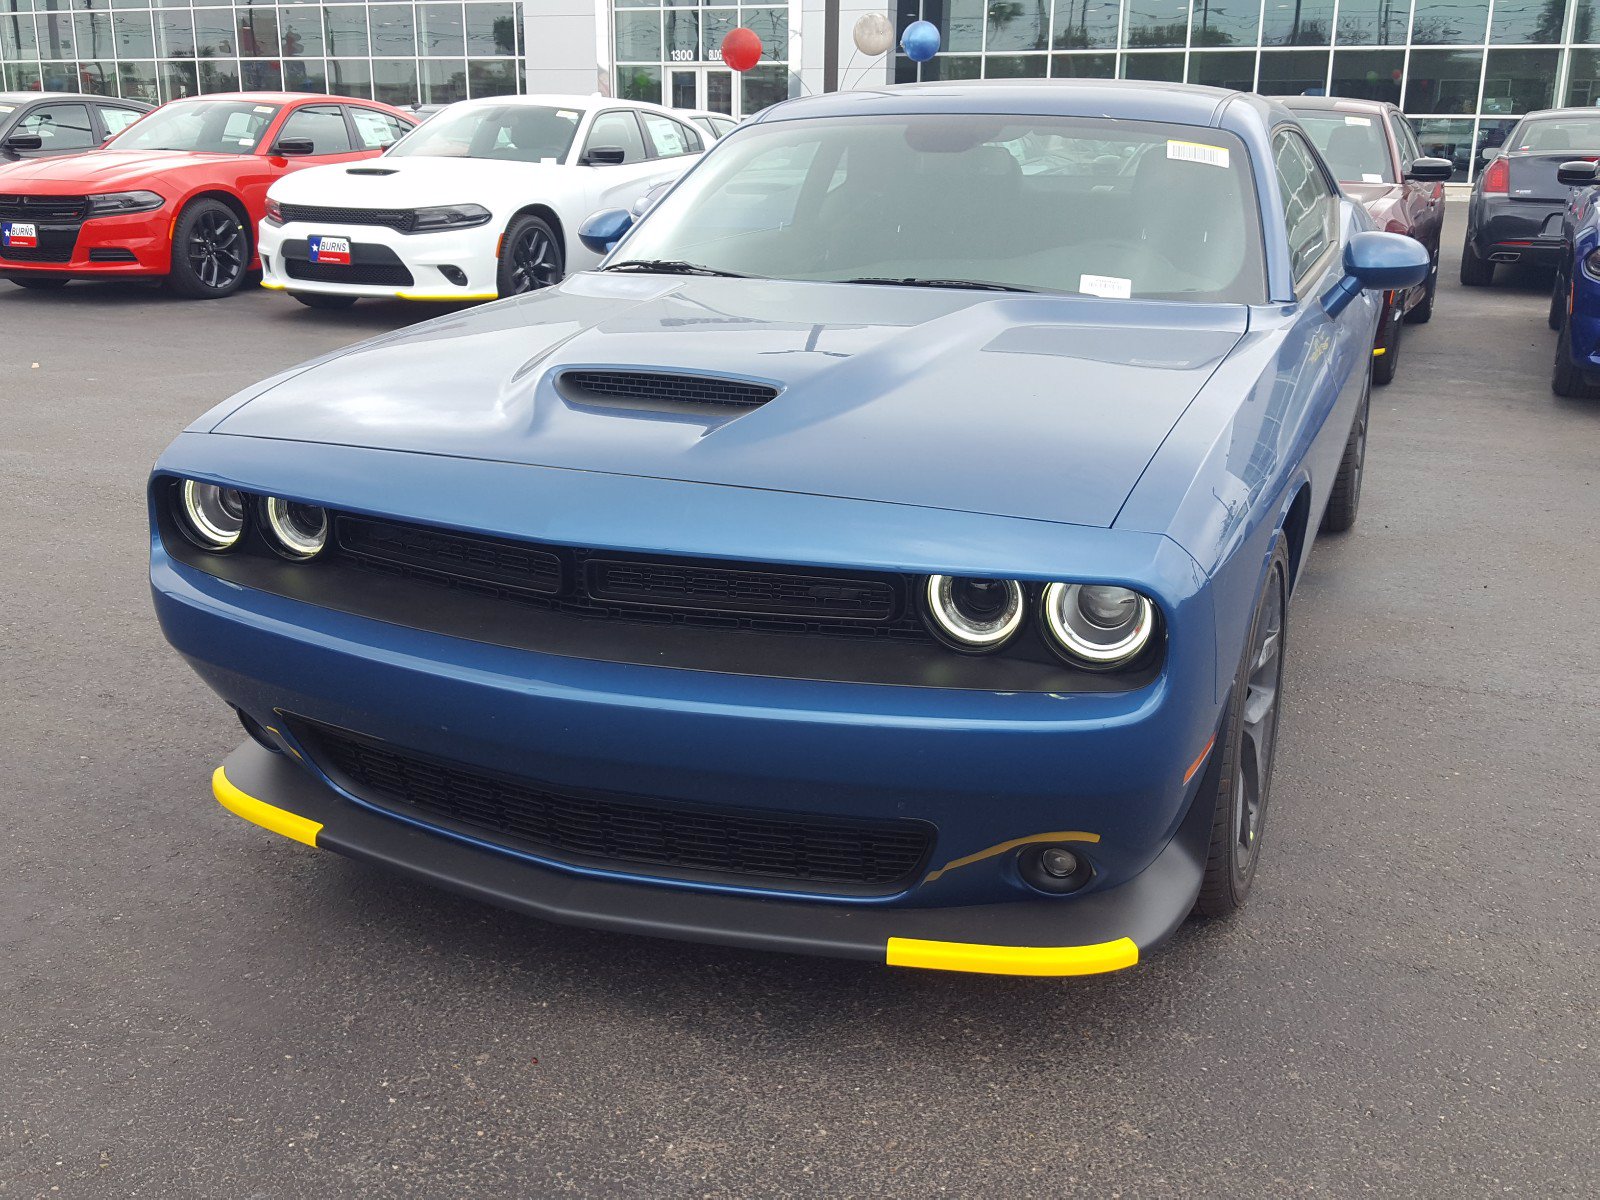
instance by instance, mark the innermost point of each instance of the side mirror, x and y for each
(1431, 170)
(1578, 173)
(294, 147)
(648, 201)
(24, 141)
(1377, 262)
(604, 229)
(605, 156)
(1490, 153)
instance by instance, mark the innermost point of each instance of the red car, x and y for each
(178, 194)
(1372, 149)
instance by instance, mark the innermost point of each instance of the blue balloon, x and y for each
(920, 41)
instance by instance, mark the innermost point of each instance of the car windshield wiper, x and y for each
(670, 266)
(973, 284)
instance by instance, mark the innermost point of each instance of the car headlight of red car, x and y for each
(108, 204)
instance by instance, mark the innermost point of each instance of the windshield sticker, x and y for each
(247, 141)
(1108, 286)
(1216, 156)
(566, 114)
(1358, 121)
(5, 108)
(263, 108)
(1369, 177)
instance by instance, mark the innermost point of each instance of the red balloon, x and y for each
(741, 48)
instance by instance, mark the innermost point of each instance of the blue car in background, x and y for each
(1575, 295)
(886, 553)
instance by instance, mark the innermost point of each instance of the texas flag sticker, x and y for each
(19, 236)
(335, 251)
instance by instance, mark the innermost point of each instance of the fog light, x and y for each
(1054, 869)
(1062, 864)
(455, 275)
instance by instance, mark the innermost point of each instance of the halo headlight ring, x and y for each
(1086, 639)
(975, 616)
(296, 531)
(210, 515)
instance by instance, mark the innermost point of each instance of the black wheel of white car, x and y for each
(1248, 746)
(210, 251)
(530, 257)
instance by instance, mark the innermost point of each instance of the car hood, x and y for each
(405, 182)
(1045, 407)
(103, 170)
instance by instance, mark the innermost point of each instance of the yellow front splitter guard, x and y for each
(259, 812)
(1012, 960)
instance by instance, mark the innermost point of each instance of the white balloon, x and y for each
(873, 34)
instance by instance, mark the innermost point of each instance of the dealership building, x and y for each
(1463, 69)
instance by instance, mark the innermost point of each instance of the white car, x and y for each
(718, 125)
(483, 200)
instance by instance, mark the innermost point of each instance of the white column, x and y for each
(567, 45)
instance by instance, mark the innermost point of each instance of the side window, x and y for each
(669, 137)
(397, 128)
(616, 129)
(323, 124)
(118, 119)
(1410, 151)
(1310, 206)
(723, 128)
(59, 127)
(377, 131)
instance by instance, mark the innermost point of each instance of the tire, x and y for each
(531, 257)
(1386, 364)
(210, 251)
(1566, 379)
(1558, 302)
(1249, 744)
(38, 284)
(1345, 499)
(1423, 312)
(324, 300)
(1475, 271)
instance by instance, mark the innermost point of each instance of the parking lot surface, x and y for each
(1410, 1005)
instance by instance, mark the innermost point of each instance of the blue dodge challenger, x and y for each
(886, 553)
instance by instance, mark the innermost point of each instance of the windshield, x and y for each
(1555, 136)
(1106, 208)
(200, 126)
(1352, 144)
(514, 132)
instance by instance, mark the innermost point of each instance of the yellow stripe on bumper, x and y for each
(447, 296)
(279, 820)
(1012, 960)
(1377, 350)
(273, 287)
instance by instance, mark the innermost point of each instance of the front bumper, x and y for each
(420, 255)
(133, 245)
(1519, 231)
(1105, 931)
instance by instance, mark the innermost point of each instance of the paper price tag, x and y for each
(1108, 286)
(1198, 152)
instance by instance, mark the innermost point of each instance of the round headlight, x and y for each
(1098, 625)
(974, 614)
(211, 516)
(299, 531)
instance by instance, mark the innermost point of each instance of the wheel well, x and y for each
(232, 202)
(1295, 523)
(548, 216)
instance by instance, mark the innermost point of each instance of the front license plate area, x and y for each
(19, 235)
(331, 251)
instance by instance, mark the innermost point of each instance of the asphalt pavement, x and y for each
(1410, 1006)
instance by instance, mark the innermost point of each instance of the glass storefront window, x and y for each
(1293, 73)
(444, 80)
(962, 25)
(1224, 23)
(1086, 24)
(135, 38)
(1083, 66)
(763, 86)
(394, 80)
(771, 25)
(1519, 81)
(1583, 77)
(1016, 66)
(302, 33)
(492, 78)
(346, 28)
(394, 31)
(178, 80)
(683, 36)
(349, 77)
(1450, 139)
(1525, 21)
(442, 34)
(491, 30)
(1449, 22)
(1297, 23)
(1443, 81)
(305, 74)
(1224, 69)
(639, 37)
(1016, 25)
(639, 83)
(1153, 23)
(714, 26)
(1368, 74)
(1162, 68)
(1373, 22)
(258, 32)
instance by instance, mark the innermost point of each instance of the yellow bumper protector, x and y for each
(279, 820)
(1012, 960)
(273, 287)
(1068, 836)
(1377, 350)
(447, 296)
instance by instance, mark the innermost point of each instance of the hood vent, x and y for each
(658, 390)
(372, 171)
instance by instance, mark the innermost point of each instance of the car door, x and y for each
(62, 127)
(1423, 202)
(618, 185)
(1326, 358)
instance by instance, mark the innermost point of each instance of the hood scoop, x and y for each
(372, 171)
(660, 391)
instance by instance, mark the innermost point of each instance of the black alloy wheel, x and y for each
(1248, 745)
(210, 251)
(1344, 501)
(530, 257)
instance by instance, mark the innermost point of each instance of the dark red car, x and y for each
(1373, 151)
(178, 194)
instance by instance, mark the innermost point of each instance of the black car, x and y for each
(49, 124)
(1517, 202)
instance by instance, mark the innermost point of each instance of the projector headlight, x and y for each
(974, 614)
(108, 204)
(1096, 625)
(210, 516)
(298, 531)
(450, 216)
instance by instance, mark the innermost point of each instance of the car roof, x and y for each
(282, 98)
(1125, 99)
(1574, 111)
(1333, 104)
(558, 100)
(20, 98)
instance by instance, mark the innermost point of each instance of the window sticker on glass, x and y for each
(1108, 286)
(1198, 152)
(566, 114)
(1369, 177)
(1358, 120)
(5, 108)
(265, 108)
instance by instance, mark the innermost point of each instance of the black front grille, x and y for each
(43, 253)
(15, 207)
(599, 584)
(658, 388)
(397, 219)
(829, 853)
(358, 274)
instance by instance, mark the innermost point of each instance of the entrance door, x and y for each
(709, 89)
